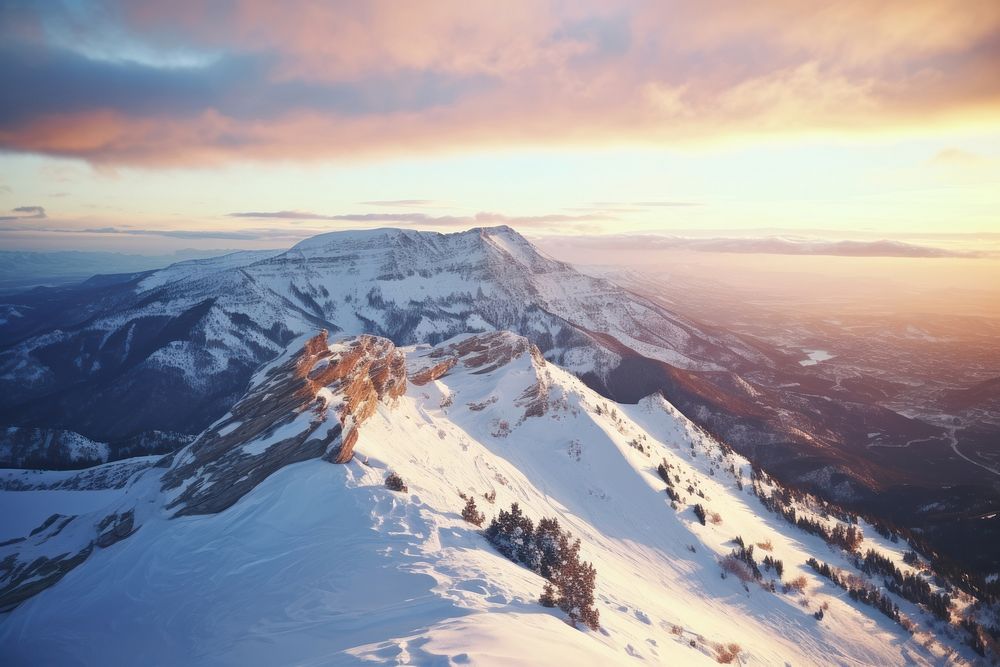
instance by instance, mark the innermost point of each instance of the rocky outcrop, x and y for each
(430, 373)
(307, 405)
(25, 572)
(484, 353)
(116, 527)
(372, 370)
(21, 579)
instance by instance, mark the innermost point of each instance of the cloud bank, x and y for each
(481, 219)
(764, 245)
(153, 83)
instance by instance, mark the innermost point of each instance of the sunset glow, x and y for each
(142, 125)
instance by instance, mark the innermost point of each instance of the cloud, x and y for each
(405, 203)
(480, 219)
(150, 83)
(191, 234)
(281, 215)
(644, 204)
(31, 211)
(767, 245)
(956, 157)
(25, 213)
(61, 82)
(172, 233)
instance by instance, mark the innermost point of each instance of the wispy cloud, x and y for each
(25, 213)
(406, 203)
(480, 219)
(174, 233)
(956, 157)
(647, 204)
(765, 245)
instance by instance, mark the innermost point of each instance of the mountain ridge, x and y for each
(288, 569)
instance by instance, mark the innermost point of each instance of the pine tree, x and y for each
(395, 483)
(511, 533)
(576, 583)
(471, 512)
(554, 554)
(548, 598)
(549, 539)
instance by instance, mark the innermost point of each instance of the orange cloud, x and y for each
(303, 80)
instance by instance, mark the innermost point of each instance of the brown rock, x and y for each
(348, 379)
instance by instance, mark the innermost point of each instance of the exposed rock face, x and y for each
(29, 565)
(433, 372)
(116, 528)
(21, 579)
(24, 573)
(484, 352)
(307, 406)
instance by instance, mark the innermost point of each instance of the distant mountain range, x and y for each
(24, 269)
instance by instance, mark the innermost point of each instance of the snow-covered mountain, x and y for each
(100, 360)
(272, 538)
(137, 364)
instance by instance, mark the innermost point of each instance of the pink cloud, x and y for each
(302, 80)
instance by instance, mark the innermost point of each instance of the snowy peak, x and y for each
(305, 405)
(411, 248)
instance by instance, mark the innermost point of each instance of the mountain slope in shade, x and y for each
(295, 560)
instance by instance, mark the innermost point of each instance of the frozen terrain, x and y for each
(321, 564)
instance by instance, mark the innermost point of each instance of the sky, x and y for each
(773, 127)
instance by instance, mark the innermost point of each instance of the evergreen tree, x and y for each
(548, 598)
(395, 483)
(576, 590)
(471, 512)
(554, 554)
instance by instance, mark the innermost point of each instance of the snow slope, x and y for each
(321, 564)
